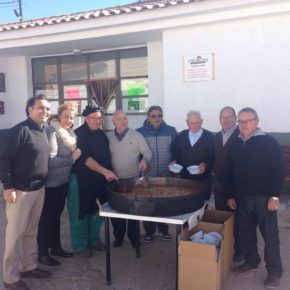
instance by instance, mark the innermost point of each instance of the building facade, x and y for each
(181, 54)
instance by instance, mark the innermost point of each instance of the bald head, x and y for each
(194, 121)
(228, 118)
(120, 121)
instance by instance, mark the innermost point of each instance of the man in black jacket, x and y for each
(253, 179)
(222, 141)
(25, 165)
(88, 182)
(194, 146)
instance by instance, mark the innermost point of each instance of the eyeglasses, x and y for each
(156, 116)
(245, 122)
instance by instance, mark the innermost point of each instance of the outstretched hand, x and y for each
(10, 195)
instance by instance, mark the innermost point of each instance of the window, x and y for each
(61, 78)
(102, 65)
(74, 68)
(45, 70)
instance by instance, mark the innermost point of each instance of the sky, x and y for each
(32, 9)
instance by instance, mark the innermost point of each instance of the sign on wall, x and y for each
(72, 93)
(199, 67)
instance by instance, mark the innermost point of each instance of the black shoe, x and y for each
(19, 285)
(48, 260)
(244, 268)
(36, 273)
(118, 243)
(272, 282)
(165, 236)
(148, 238)
(61, 253)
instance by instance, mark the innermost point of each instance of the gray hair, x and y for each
(228, 108)
(193, 113)
(249, 110)
(118, 112)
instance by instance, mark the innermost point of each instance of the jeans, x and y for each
(253, 212)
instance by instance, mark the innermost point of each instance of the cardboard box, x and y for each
(226, 219)
(198, 266)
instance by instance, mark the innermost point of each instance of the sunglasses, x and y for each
(156, 116)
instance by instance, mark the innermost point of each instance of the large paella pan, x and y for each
(158, 196)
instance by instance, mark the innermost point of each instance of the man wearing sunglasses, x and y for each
(160, 138)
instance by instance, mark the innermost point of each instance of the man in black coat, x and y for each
(88, 182)
(222, 141)
(194, 146)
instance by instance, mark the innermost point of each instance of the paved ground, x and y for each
(154, 270)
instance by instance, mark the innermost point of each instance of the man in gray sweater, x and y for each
(130, 155)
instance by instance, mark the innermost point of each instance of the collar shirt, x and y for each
(227, 134)
(193, 137)
(120, 136)
(258, 132)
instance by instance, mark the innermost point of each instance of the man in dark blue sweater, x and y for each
(25, 166)
(253, 181)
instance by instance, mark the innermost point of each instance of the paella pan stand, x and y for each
(108, 213)
(140, 210)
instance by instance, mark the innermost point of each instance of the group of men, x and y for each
(246, 163)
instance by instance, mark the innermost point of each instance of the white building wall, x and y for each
(252, 68)
(155, 73)
(4, 95)
(18, 89)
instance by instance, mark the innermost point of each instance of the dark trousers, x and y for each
(253, 212)
(49, 223)
(220, 200)
(207, 187)
(119, 229)
(150, 228)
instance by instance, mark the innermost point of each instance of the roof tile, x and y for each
(129, 8)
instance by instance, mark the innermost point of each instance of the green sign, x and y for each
(136, 89)
(136, 105)
(133, 105)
